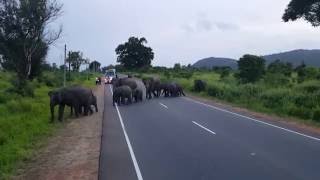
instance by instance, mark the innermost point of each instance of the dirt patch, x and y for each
(290, 123)
(72, 153)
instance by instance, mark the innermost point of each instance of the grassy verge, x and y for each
(24, 121)
(271, 95)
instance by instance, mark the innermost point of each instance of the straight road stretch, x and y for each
(184, 139)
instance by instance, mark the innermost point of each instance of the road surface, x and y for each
(182, 139)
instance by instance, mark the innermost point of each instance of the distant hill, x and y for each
(216, 62)
(295, 57)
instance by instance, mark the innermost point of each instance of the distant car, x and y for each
(111, 73)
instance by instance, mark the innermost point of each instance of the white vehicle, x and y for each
(110, 74)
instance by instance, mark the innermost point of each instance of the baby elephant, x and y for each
(137, 95)
(120, 94)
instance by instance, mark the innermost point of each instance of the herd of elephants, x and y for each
(125, 91)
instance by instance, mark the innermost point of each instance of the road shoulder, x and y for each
(72, 153)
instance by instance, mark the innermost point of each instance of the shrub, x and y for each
(303, 113)
(275, 98)
(305, 100)
(309, 86)
(215, 90)
(276, 80)
(199, 85)
(250, 90)
(316, 115)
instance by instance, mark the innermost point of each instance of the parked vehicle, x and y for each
(110, 74)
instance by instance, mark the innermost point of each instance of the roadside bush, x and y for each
(250, 90)
(316, 115)
(23, 88)
(309, 86)
(184, 74)
(215, 90)
(300, 112)
(276, 80)
(199, 85)
(305, 100)
(275, 98)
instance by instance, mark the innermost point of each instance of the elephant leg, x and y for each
(96, 107)
(86, 110)
(71, 110)
(52, 113)
(80, 109)
(61, 111)
(90, 109)
(76, 110)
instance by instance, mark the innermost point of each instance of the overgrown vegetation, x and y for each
(24, 121)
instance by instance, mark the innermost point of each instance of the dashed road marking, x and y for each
(252, 119)
(203, 127)
(164, 106)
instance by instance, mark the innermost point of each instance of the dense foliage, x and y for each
(134, 53)
(251, 68)
(306, 9)
(24, 34)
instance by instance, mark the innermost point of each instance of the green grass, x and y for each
(24, 121)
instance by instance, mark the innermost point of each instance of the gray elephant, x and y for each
(152, 87)
(75, 97)
(93, 102)
(164, 89)
(121, 94)
(175, 90)
(124, 81)
(137, 95)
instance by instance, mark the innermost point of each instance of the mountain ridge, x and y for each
(295, 57)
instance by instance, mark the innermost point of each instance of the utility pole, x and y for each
(64, 66)
(88, 62)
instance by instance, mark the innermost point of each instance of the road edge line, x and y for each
(133, 157)
(252, 119)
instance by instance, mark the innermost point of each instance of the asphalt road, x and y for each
(182, 139)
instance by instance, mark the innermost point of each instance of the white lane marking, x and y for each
(164, 105)
(133, 157)
(252, 119)
(204, 127)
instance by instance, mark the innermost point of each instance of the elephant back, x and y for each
(128, 82)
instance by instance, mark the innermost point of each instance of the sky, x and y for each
(180, 31)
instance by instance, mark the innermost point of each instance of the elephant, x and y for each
(75, 97)
(164, 89)
(120, 94)
(93, 102)
(124, 81)
(174, 90)
(152, 87)
(199, 85)
(137, 95)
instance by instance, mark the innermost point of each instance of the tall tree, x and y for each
(75, 60)
(95, 66)
(251, 68)
(309, 10)
(25, 35)
(134, 53)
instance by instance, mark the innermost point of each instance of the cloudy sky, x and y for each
(181, 30)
